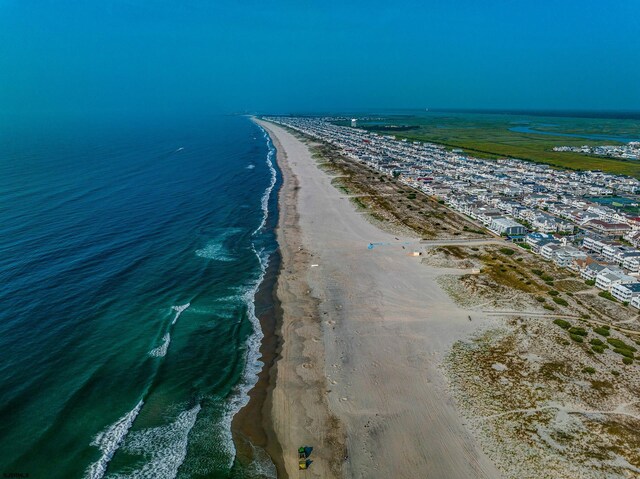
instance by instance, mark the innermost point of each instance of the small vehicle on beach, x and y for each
(302, 458)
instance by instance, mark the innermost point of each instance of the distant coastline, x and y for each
(604, 114)
(609, 114)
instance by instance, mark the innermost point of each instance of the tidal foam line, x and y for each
(109, 440)
(253, 363)
(272, 182)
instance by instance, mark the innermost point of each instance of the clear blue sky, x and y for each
(69, 57)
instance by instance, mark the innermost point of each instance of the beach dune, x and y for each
(363, 332)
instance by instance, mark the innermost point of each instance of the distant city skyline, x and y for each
(136, 58)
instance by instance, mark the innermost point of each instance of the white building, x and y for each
(506, 226)
(606, 281)
(625, 292)
(548, 250)
(593, 244)
(632, 264)
(566, 255)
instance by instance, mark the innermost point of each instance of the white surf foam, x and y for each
(251, 166)
(163, 447)
(179, 310)
(161, 350)
(214, 250)
(109, 440)
(253, 363)
(261, 464)
(272, 182)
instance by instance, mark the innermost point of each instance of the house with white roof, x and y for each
(631, 263)
(565, 256)
(503, 225)
(606, 281)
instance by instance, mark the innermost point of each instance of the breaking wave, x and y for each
(109, 440)
(253, 363)
(179, 310)
(161, 350)
(163, 447)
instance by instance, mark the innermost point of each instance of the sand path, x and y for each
(363, 342)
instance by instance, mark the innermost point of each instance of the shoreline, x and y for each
(251, 427)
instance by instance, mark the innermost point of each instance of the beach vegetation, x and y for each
(562, 323)
(617, 343)
(607, 295)
(560, 301)
(476, 231)
(578, 331)
(624, 352)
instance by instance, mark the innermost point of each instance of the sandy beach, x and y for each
(363, 333)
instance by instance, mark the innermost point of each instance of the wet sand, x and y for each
(363, 332)
(252, 426)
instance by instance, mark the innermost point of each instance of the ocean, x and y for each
(129, 262)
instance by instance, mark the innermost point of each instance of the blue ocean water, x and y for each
(129, 261)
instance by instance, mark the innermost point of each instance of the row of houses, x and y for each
(512, 198)
(617, 272)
